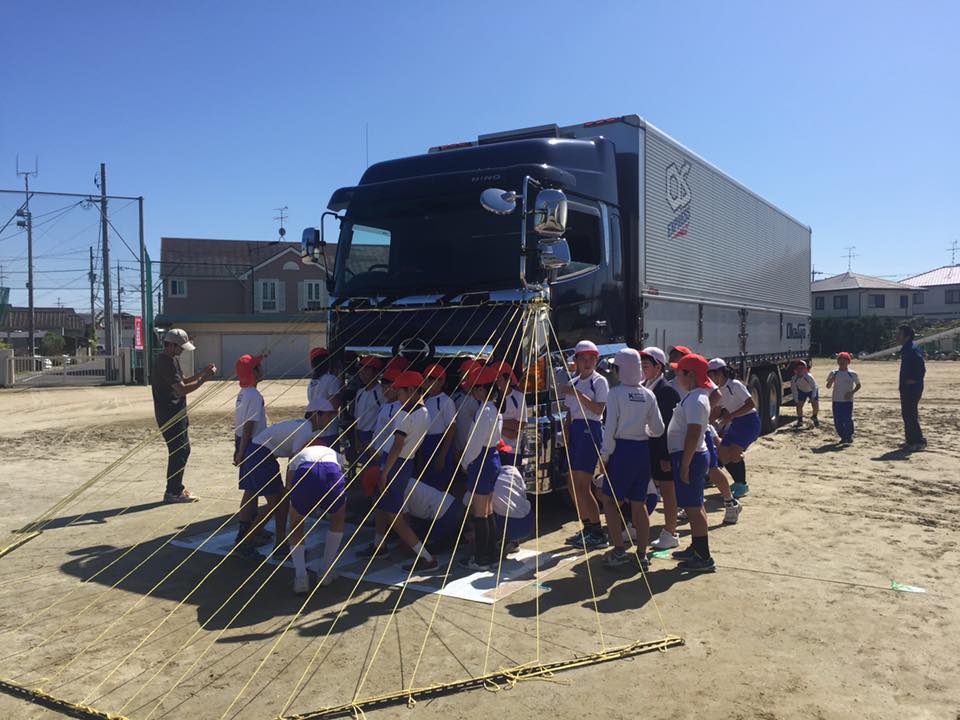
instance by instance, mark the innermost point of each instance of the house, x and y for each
(238, 296)
(853, 295)
(942, 299)
(15, 324)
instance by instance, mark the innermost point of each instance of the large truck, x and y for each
(624, 235)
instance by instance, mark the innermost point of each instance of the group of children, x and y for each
(845, 384)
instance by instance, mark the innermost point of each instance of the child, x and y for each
(481, 463)
(325, 384)
(315, 482)
(512, 511)
(466, 406)
(688, 457)
(255, 478)
(585, 398)
(435, 450)
(514, 413)
(803, 387)
(368, 403)
(739, 414)
(845, 384)
(632, 419)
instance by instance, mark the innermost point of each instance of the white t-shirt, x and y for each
(285, 439)
(594, 387)
(466, 412)
(805, 384)
(632, 414)
(313, 454)
(694, 409)
(844, 381)
(367, 406)
(510, 494)
(413, 425)
(515, 406)
(426, 502)
(733, 394)
(385, 425)
(442, 413)
(250, 406)
(325, 386)
(486, 433)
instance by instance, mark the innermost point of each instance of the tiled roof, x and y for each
(201, 258)
(946, 275)
(54, 318)
(856, 281)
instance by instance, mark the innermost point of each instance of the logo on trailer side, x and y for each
(679, 196)
(796, 332)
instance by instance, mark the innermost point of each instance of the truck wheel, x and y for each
(756, 387)
(774, 397)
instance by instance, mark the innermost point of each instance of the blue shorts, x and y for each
(483, 471)
(318, 486)
(628, 471)
(363, 443)
(804, 396)
(259, 471)
(743, 431)
(518, 528)
(437, 471)
(395, 486)
(585, 438)
(690, 495)
(711, 451)
(446, 527)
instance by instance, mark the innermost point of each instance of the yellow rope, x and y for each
(45, 699)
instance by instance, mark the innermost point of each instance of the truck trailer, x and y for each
(624, 235)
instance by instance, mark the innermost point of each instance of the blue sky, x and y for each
(844, 114)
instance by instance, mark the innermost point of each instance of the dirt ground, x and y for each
(799, 620)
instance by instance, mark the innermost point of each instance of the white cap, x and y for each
(716, 364)
(628, 366)
(176, 336)
(656, 353)
(319, 404)
(585, 346)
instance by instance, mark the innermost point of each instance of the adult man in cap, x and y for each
(912, 372)
(170, 390)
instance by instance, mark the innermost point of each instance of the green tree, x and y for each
(52, 344)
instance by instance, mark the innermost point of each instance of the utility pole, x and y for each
(145, 323)
(813, 274)
(28, 223)
(93, 311)
(119, 309)
(108, 343)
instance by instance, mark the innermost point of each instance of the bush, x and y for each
(829, 336)
(52, 344)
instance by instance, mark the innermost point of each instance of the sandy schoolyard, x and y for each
(799, 621)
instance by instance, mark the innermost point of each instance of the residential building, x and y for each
(15, 328)
(236, 296)
(942, 297)
(852, 295)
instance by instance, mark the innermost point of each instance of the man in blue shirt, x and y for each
(912, 370)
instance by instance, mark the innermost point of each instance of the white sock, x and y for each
(300, 560)
(330, 547)
(424, 553)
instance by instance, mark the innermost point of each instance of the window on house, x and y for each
(818, 303)
(584, 235)
(918, 298)
(176, 288)
(312, 295)
(876, 301)
(952, 297)
(839, 302)
(904, 302)
(268, 295)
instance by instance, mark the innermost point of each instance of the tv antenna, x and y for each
(282, 218)
(850, 256)
(953, 252)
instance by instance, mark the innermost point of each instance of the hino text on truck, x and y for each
(517, 245)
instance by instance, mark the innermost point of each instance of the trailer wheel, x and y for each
(774, 397)
(756, 387)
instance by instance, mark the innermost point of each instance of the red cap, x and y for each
(682, 349)
(696, 364)
(246, 364)
(371, 361)
(398, 363)
(318, 352)
(469, 364)
(408, 379)
(470, 377)
(845, 356)
(504, 448)
(390, 374)
(505, 369)
(436, 371)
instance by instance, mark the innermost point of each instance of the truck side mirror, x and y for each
(550, 213)
(310, 247)
(498, 202)
(554, 256)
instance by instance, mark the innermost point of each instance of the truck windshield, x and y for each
(423, 245)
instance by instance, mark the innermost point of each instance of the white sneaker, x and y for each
(731, 513)
(666, 541)
(301, 585)
(329, 579)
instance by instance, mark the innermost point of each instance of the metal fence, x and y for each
(43, 371)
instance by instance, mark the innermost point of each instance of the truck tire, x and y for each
(757, 391)
(773, 394)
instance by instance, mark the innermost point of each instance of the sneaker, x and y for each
(183, 497)
(682, 516)
(916, 447)
(281, 552)
(697, 564)
(731, 513)
(617, 557)
(371, 550)
(666, 541)
(422, 565)
(471, 563)
(263, 534)
(595, 541)
(798, 424)
(738, 489)
(301, 584)
(254, 540)
(576, 540)
(511, 547)
(686, 554)
(247, 551)
(330, 578)
(816, 422)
